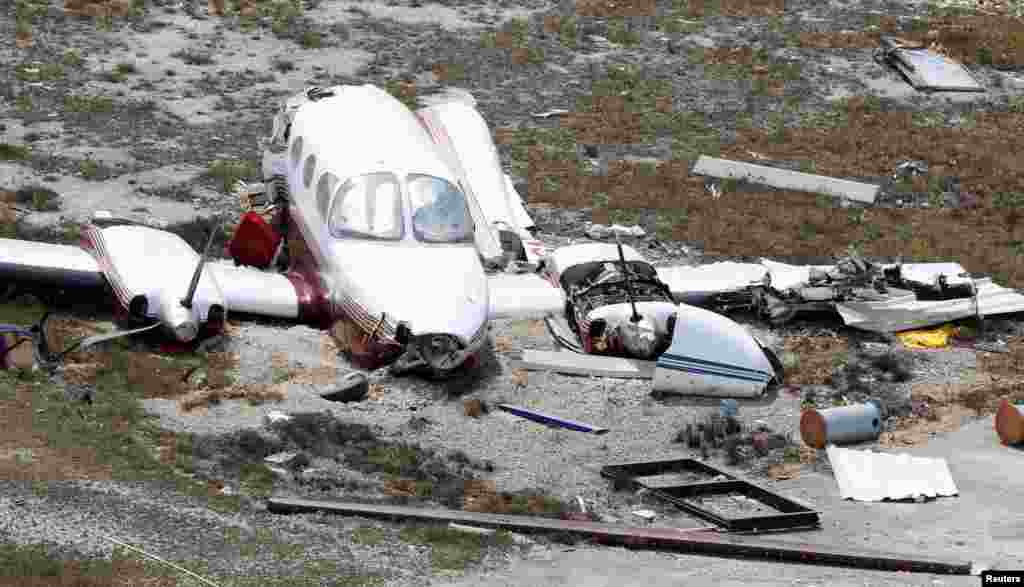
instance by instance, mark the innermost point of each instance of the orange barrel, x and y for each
(842, 425)
(1010, 423)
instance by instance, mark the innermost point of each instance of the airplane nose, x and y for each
(178, 319)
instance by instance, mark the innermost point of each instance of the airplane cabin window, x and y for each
(307, 171)
(368, 206)
(324, 190)
(296, 151)
(439, 211)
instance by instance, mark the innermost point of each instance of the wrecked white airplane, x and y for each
(371, 238)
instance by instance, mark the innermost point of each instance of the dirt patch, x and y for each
(938, 408)
(812, 359)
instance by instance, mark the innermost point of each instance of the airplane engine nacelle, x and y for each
(178, 319)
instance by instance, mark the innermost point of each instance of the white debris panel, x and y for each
(786, 179)
(863, 475)
(692, 284)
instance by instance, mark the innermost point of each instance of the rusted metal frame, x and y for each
(793, 514)
(702, 541)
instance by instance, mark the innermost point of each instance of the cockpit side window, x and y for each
(368, 206)
(324, 190)
(296, 151)
(439, 211)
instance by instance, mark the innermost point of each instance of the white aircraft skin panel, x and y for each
(566, 257)
(436, 288)
(46, 255)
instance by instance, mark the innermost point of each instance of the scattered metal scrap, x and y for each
(869, 476)
(786, 179)
(846, 424)
(552, 420)
(925, 69)
(792, 514)
(693, 541)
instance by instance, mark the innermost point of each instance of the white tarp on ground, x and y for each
(692, 284)
(863, 475)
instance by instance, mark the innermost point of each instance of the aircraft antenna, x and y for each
(629, 284)
(187, 302)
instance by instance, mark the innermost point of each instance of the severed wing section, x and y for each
(60, 267)
(523, 296)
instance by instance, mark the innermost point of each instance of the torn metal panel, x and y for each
(868, 476)
(712, 355)
(562, 259)
(524, 295)
(696, 285)
(579, 364)
(786, 179)
(549, 420)
(788, 513)
(928, 70)
(906, 312)
(48, 265)
(693, 541)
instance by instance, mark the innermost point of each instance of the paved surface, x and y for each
(984, 525)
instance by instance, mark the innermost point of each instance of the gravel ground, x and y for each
(174, 126)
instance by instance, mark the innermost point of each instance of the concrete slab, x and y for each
(983, 524)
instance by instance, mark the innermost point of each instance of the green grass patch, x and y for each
(394, 459)
(453, 550)
(311, 40)
(89, 168)
(395, 88)
(554, 143)
(88, 104)
(669, 220)
(368, 535)
(39, 72)
(39, 198)
(620, 33)
(230, 172)
(567, 35)
(9, 152)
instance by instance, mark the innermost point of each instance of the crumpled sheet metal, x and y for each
(692, 284)
(869, 476)
(907, 313)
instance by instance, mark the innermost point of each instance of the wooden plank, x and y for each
(786, 179)
(692, 541)
(577, 364)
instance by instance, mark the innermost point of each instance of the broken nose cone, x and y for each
(712, 355)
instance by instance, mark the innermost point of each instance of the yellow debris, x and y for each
(928, 339)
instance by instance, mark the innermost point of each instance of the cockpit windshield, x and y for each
(368, 206)
(439, 211)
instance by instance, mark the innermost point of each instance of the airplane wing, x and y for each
(58, 267)
(523, 296)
